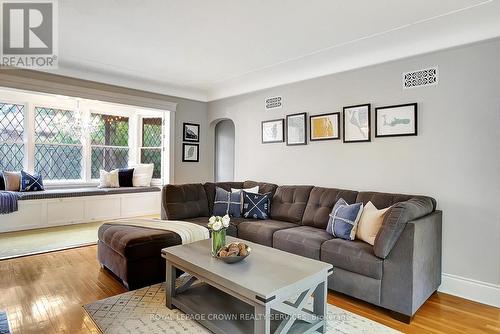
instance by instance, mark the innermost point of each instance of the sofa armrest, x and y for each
(183, 201)
(412, 271)
(395, 221)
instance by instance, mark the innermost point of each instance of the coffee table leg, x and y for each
(319, 306)
(170, 284)
(262, 320)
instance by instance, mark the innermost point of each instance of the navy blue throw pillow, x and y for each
(125, 177)
(227, 203)
(31, 182)
(344, 219)
(2, 182)
(256, 205)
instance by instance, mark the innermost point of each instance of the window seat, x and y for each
(65, 206)
(80, 192)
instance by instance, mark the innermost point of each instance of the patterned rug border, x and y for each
(144, 311)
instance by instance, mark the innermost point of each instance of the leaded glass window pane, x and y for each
(108, 158)
(58, 149)
(152, 156)
(152, 144)
(111, 130)
(11, 136)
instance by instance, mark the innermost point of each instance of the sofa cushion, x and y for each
(261, 231)
(264, 187)
(395, 221)
(384, 200)
(303, 240)
(210, 191)
(136, 242)
(354, 256)
(256, 206)
(321, 202)
(344, 219)
(184, 201)
(289, 203)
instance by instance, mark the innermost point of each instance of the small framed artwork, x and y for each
(190, 152)
(273, 131)
(393, 121)
(357, 123)
(324, 126)
(191, 132)
(296, 129)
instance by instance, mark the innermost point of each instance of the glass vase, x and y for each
(218, 240)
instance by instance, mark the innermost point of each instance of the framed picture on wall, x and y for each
(273, 131)
(190, 152)
(394, 121)
(296, 129)
(324, 126)
(357, 123)
(191, 132)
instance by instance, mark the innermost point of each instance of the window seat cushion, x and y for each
(80, 192)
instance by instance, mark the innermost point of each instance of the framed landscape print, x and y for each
(190, 152)
(399, 120)
(357, 123)
(273, 131)
(324, 126)
(191, 132)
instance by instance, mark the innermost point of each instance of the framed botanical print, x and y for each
(191, 132)
(398, 120)
(273, 131)
(296, 129)
(357, 123)
(324, 126)
(190, 152)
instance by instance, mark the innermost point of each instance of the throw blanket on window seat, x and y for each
(8, 202)
(188, 232)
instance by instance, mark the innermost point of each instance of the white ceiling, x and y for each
(207, 50)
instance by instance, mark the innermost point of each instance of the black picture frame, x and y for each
(282, 120)
(304, 115)
(368, 105)
(415, 117)
(185, 133)
(184, 159)
(311, 117)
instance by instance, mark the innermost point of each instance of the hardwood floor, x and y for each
(45, 293)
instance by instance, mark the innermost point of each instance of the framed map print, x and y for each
(296, 129)
(324, 126)
(393, 121)
(273, 131)
(357, 123)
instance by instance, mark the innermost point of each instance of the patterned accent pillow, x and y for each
(344, 219)
(256, 206)
(125, 177)
(108, 179)
(31, 182)
(227, 203)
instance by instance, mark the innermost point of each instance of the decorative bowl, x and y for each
(234, 259)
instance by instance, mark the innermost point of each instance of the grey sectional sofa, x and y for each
(398, 273)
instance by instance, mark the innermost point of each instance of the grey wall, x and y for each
(224, 151)
(189, 111)
(455, 158)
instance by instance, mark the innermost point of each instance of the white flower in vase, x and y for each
(217, 225)
(226, 220)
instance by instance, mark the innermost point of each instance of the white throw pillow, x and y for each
(254, 190)
(143, 174)
(370, 223)
(109, 179)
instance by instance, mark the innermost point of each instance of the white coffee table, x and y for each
(251, 296)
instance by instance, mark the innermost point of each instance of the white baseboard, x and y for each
(481, 292)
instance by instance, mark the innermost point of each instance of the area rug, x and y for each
(22, 243)
(144, 311)
(4, 323)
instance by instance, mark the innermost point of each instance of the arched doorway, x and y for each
(224, 151)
